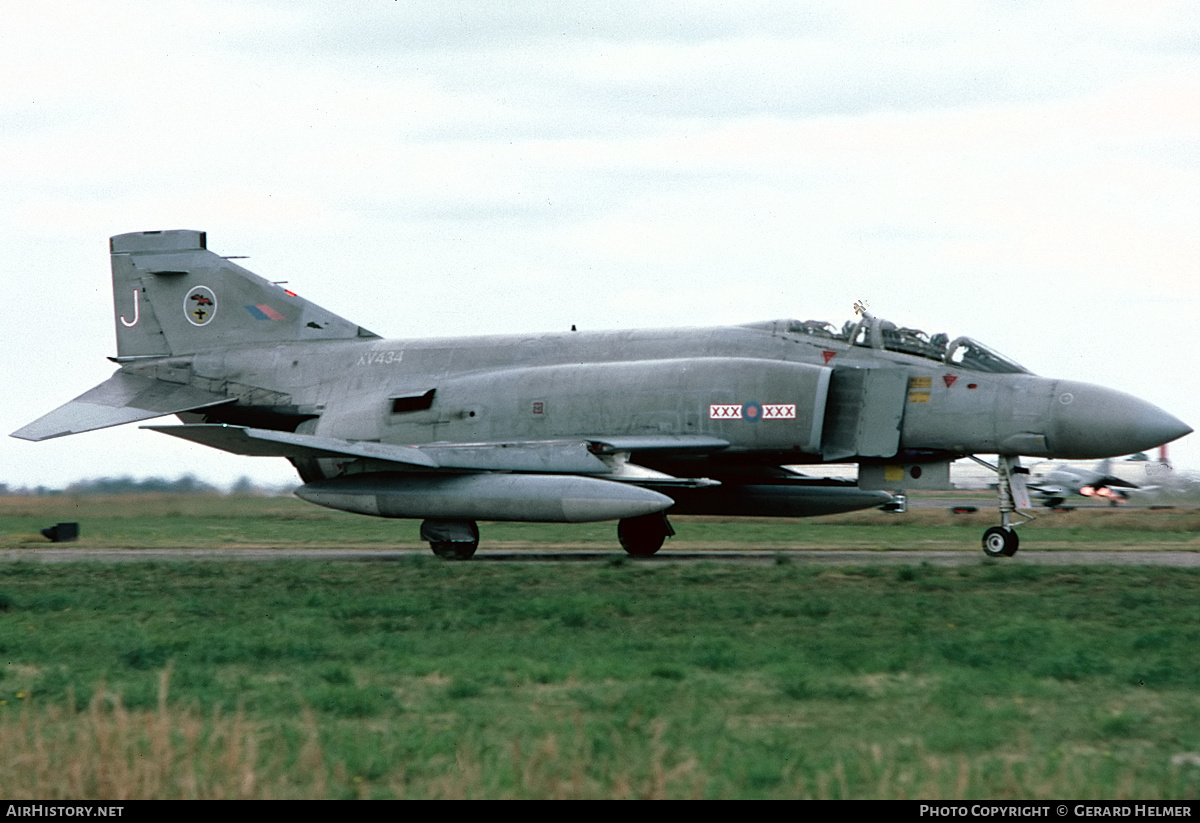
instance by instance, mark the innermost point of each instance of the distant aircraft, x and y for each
(576, 426)
(1097, 482)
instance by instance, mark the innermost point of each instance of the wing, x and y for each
(542, 471)
(594, 456)
(270, 443)
(1113, 482)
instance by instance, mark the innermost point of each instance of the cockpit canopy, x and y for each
(873, 332)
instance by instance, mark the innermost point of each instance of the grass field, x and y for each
(612, 678)
(207, 522)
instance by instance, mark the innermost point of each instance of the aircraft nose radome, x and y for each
(1090, 422)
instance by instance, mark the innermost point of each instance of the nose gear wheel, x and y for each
(1000, 541)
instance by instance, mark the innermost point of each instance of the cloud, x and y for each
(1022, 173)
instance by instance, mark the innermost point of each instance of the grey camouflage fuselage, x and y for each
(631, 423)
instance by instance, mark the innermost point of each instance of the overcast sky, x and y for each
(1024, 173)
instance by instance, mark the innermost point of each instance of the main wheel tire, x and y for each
(454, 551)
(1000, 542)
(642, 536)
(457, 549)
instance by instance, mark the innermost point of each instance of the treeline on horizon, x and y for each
(1184, 484)
(186, 484)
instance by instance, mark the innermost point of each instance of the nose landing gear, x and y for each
(999, 541)
(1002, 540)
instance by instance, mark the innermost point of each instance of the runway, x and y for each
(989, 504)
(814, 557)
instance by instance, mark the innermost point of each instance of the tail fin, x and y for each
(172, 296)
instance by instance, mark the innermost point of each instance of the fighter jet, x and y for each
(1097, 483)
(576, 426)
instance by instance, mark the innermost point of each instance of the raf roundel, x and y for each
(200, 306)
(752, 411)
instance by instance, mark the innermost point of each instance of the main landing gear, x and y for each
(1002, 540)
(451, 539)
(458, 539)
(643, 536)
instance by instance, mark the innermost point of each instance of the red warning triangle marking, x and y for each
(949, 378)
(828, 355)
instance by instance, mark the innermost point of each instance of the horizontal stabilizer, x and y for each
(122, 398)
